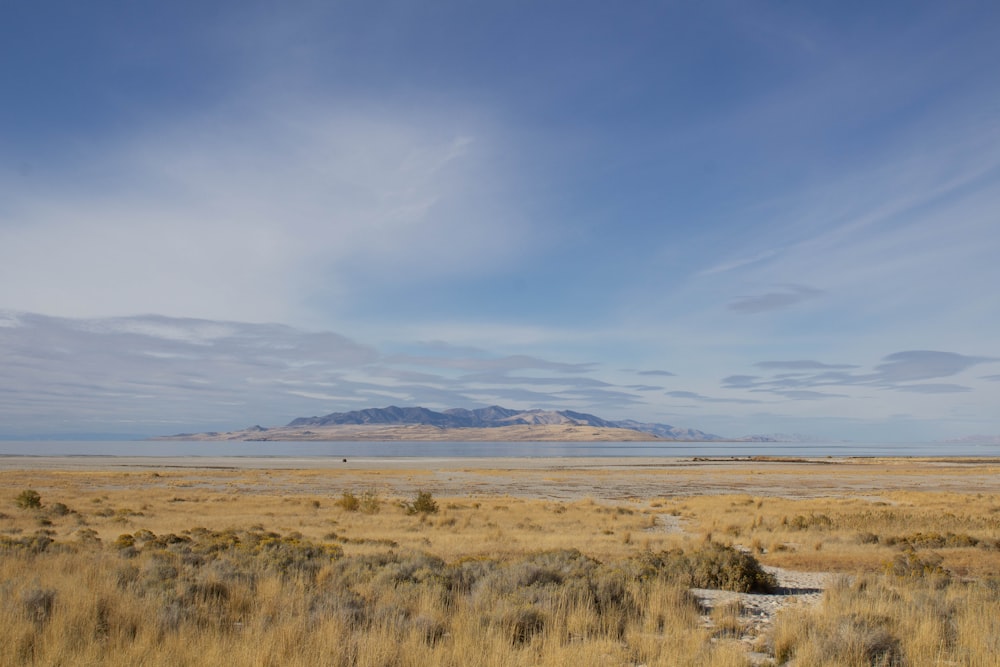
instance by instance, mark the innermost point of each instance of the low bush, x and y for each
(714, 565)
(370, 502)
(28, 499)
(911, 565)
(423, 503)
(348, 502)
(60, 509)
(932, 540)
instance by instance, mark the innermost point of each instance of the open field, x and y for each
(507, 562)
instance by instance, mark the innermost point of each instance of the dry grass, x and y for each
(854, 533)
(280, 568)
(893, 620)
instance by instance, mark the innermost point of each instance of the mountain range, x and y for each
(492, 417)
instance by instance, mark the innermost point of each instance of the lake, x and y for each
(473, 450)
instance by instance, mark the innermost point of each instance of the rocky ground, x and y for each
(757, 611)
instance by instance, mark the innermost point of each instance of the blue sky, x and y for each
(741, 217)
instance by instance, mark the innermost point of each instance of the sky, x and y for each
(740, 217)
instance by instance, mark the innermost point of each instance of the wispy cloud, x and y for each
(738, 263)
(923, 365)
(740, 381)
(806, 395)
(801, 365)
(934, 388)
(503, 364)
(788, 297)
(709, 399)
(899, 371)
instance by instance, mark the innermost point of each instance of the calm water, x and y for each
(488, 449)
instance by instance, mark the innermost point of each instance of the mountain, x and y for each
(492, 417)
(667, 432)
(975, 440)
(781, 437)
(389, 415)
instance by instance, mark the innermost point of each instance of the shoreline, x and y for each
(332, 462)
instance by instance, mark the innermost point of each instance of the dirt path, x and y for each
(757, 611)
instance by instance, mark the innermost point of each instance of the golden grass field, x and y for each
(521, 563)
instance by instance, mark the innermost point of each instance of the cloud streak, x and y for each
(154, 374)
(708, 399)
(801, 365)
(787, 298)
(900, 371)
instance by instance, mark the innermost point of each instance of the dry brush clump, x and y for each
(29, 499)
(714, 565)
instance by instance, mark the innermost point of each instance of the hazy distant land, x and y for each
(382, 432)
(492, 424)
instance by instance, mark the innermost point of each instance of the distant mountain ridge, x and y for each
(492, 417)
(782, 437)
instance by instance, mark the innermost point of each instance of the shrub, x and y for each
(712, 566)
(292, 555)
(348, 502)
(910, 565)
(60, 509)
(370, 503)
(88, 536)
(920, 540)
(144, 535)
(424, 503)
(29, 499)
(124, 540)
